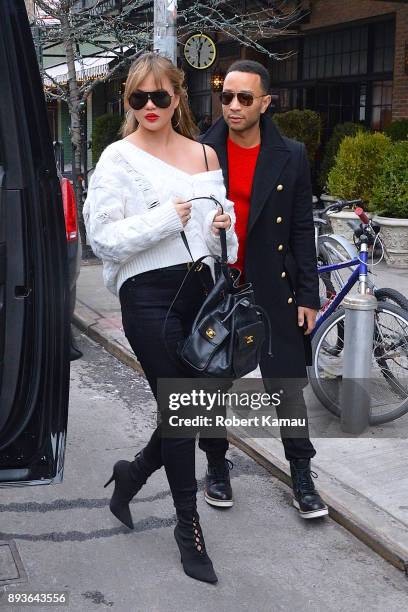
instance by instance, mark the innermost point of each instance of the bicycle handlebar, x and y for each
(339, 205)
(362, 215)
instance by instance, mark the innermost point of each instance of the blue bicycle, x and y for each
(389, 388)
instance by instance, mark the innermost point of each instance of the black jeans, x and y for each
(145, 300)
(295, 448)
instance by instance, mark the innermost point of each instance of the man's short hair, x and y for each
(254, 68)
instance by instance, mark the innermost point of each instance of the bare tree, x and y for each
(121, 29)
(64, 22)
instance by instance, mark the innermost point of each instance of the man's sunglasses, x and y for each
(160, 98)
(244, 97)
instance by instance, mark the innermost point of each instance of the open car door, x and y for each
(34, 310)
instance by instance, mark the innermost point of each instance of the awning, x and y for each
(86, 68)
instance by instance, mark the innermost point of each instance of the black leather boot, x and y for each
(189, 537)
(306, 499)
(129, 477)
(218, 491)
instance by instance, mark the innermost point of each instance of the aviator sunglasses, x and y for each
(160, 98)
(244, 97)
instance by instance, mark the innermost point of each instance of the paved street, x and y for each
(364, 481)
(266, 557)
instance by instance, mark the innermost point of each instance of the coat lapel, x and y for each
(273, 156)
(216, 137)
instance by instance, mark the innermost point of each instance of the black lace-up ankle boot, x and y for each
(306, 499)
(129, 477)
(218, 491)
(190, 540)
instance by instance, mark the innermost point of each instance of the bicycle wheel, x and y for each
(333, 249)
(391, 295)
(389, 376)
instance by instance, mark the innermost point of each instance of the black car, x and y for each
(35, 278)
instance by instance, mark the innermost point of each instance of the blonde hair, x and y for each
(182, 120)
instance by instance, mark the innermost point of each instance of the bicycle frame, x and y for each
(359, 274)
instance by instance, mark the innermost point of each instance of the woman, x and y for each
(137, 206)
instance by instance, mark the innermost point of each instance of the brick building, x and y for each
(349, 63)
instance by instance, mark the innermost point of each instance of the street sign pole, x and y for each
(165, 24)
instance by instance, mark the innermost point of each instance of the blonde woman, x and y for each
(136, 208)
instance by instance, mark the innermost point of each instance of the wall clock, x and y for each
(200, 51)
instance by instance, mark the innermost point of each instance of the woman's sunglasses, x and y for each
(160, 98)
(244, 97)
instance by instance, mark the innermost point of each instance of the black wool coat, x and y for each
(280, 258)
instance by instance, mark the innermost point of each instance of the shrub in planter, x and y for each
(302, 125)
(390, 194)
(390, 200)
(397, 130)
(105, 131)
(340, 131)
(357, 166)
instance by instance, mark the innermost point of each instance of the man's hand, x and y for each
(220, 221)
(308, 316)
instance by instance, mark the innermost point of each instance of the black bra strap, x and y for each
(205, 156)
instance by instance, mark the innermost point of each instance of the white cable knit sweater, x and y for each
(131, 221)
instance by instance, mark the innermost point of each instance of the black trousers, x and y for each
(145, 299)
(295, 448)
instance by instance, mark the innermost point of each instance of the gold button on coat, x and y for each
(290, 300)
(279, 188)
(280, 247)
(278, 219)
(283, 275)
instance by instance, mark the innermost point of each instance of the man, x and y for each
(204, 124)
(268, 178)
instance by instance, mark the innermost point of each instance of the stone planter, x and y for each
(394, 234)
(338, 222)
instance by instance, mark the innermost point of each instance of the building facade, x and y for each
(349, 62)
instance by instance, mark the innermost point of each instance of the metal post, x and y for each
(84, 143)
(165, 24)
(59, 155)
(357, 357)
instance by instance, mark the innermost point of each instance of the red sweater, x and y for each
(241, 170)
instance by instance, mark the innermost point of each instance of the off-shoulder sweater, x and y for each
(130, 219)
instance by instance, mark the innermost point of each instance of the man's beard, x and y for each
(243, 128)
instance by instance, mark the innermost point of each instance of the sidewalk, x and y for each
(364, 481)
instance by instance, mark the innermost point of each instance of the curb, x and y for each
(88, 323)
(387, 547)
(385, 542)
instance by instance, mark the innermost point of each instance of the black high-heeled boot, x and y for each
(189, 537)
(129, 477)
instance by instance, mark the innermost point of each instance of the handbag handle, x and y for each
(222, 234)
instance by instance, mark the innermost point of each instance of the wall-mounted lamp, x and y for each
(217, 81)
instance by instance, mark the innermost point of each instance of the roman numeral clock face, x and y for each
(200, 51)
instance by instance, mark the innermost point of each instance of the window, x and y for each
(284, 99)
(382, 104)
(331, 54)
(199, 93)
(336, 103)
(285, 69)
(383, 60)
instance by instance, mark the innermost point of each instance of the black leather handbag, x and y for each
(228, 332)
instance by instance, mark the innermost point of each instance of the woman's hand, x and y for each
(220, 221)
(183, 210)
